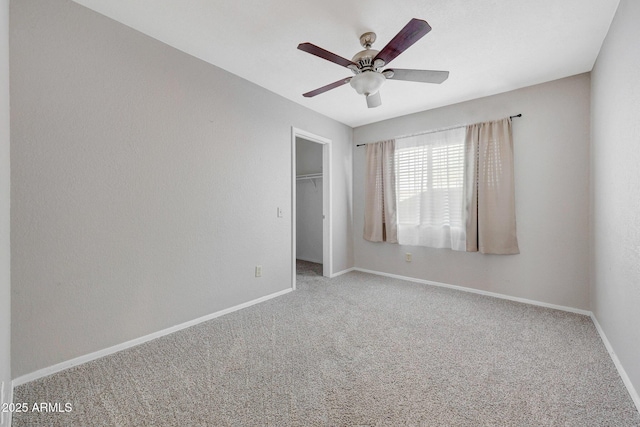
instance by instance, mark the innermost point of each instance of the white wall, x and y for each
(551, 173)
(309, 208)
(308, 157)
(5, 248)
(615, 188)
(145, 185)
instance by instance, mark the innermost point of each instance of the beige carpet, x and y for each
(357, 350)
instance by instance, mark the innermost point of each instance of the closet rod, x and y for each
(436, 130)
(309, 176)
(312, 177)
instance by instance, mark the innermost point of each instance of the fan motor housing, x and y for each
(364, 59)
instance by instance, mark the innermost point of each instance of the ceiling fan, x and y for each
(367, 64)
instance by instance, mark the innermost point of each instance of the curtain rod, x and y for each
(434, 131)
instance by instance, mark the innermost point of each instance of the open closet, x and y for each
(309, 205)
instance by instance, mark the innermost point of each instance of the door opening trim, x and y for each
(327, 241)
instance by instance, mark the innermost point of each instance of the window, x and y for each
(446, 189)
(430, 189)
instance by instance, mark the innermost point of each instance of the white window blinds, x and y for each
(429, 189)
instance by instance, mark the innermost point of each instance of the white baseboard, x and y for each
(6, 396)
(340, 273)
(623, 374)
(132, 343)
(480, 292)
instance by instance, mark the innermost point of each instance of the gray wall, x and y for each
(309, 202)
(615, 188)
(145, 185)
(5, 249)
(308, 157)
(551, 173)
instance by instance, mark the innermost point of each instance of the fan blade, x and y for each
(411, 33)
(424, 76)
(325, 54)
(327, 87)
(374, 100)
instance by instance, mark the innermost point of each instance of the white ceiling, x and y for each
(489, 46)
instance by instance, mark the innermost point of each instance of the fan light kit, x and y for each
(367, 65)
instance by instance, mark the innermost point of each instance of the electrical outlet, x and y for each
(407, 257)
(258, 271)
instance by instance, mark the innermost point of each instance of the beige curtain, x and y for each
(380, 224)
(489, 189)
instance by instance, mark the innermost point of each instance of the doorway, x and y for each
(311, 201)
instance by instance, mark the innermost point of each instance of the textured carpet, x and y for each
(356, 350)
(306, 268)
